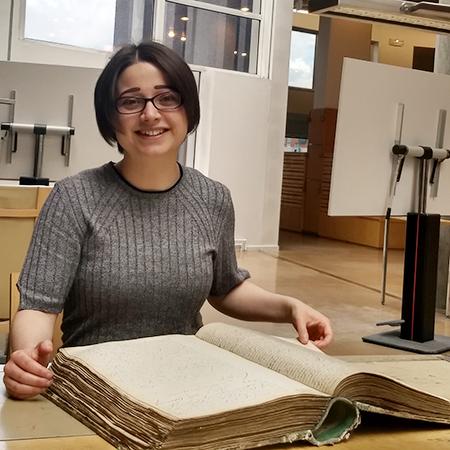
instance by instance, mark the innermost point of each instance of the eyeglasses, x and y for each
(166, 101)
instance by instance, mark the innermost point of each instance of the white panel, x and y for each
(365, 134)
(42, 97)
(235, 149)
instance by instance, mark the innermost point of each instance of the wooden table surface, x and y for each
(375, 434)
(40, 425)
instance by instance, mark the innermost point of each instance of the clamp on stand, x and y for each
(40, 131)
(10, 138)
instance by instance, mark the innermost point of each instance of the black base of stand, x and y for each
(439, 344)
(419, 290)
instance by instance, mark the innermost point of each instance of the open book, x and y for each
(232, 388)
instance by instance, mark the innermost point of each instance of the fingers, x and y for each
(21, 361)
(43, 352)
(323, 334)
(22, 391)
(24, 376)
(310, 324)
(302, 332)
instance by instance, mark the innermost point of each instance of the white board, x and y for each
(366, 130)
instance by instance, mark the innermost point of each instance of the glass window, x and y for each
(212, 39)
(242, 5)
(301, 63)
(81, 23)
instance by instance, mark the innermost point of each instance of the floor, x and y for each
(342, 280)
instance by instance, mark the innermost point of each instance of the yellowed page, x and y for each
(184, 376)
(429, 375)
(310, 367)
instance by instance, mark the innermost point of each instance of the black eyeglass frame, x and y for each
(149, 99)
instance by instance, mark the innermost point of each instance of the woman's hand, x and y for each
(26, 374)
(310, 324)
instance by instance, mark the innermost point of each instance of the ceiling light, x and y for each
(425, 15)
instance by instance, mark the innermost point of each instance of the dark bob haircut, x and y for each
(177, 73)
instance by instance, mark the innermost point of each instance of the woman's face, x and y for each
(151, 132)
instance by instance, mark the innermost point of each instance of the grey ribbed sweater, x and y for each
(124, 263)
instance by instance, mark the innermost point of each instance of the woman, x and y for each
(133, 249)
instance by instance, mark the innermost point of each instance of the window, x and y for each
(80, 23)
(301, 63)
(213, 33)
(210, 38)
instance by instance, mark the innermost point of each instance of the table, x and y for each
(40, 425)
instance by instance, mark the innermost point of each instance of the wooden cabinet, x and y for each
(293, 191)
(19, 208)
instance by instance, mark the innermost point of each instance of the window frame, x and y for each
(265, 25)
(315, 32)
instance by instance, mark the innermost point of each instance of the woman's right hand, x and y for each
(26, 374)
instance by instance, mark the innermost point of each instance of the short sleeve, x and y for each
(53, 255)
(227, 274)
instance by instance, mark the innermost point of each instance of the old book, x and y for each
(232, 388)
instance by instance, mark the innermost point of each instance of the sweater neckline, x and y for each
(130, 187)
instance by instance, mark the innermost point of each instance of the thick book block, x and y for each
(231, 388)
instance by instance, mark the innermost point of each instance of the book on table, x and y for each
(233, 388)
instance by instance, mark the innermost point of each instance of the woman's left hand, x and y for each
(310, 324)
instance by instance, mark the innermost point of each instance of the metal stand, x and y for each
(419, 291)
(421, 256)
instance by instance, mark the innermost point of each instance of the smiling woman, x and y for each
(134, 249)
